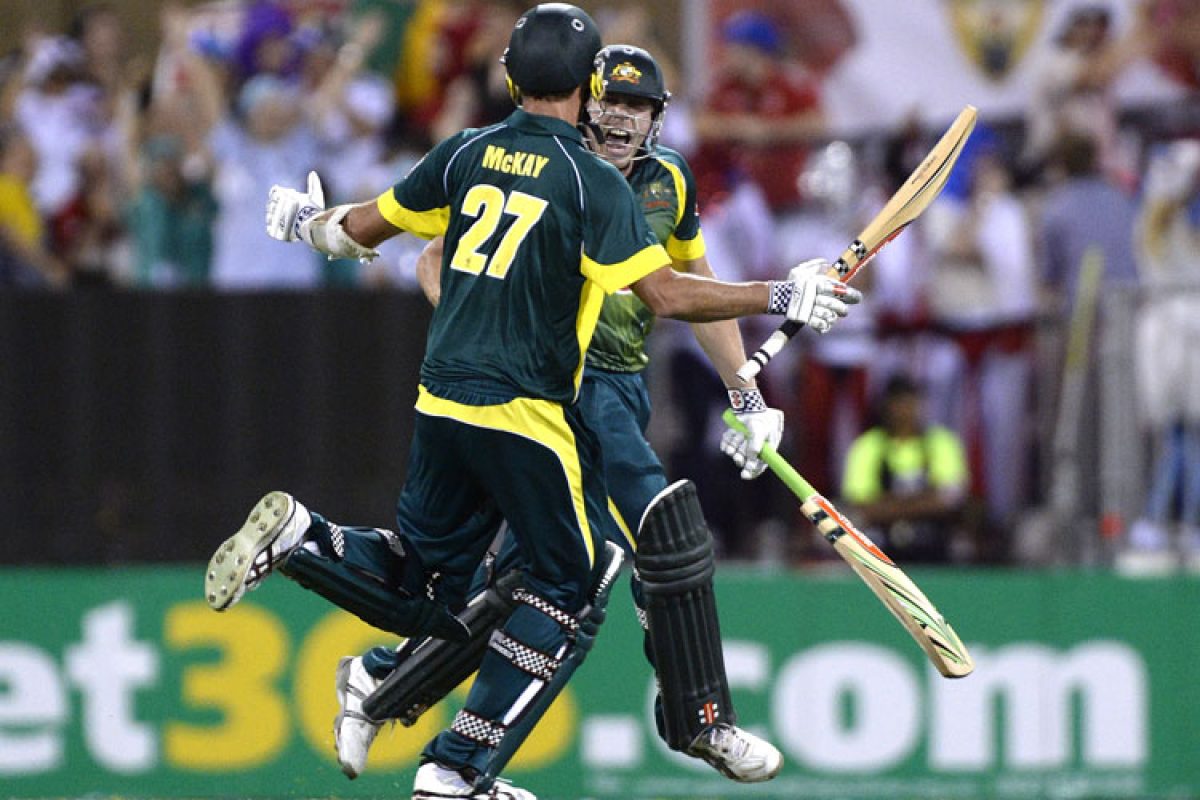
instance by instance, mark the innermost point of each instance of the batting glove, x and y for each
(764, 425)
(288, 209)
(811, 298)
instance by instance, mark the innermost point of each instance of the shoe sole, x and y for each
(439, 796)
(225, 579)
(760, 777)
(340, 682)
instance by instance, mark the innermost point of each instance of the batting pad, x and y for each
(675, 562)
(431, 668)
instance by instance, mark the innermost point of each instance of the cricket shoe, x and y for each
(435, 782)
(353, 731)
(276, 524)
(737, 754)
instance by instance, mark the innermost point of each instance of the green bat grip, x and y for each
(786, 473)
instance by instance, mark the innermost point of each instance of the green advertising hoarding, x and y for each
(123, 682)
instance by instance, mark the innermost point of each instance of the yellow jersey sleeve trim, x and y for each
(611, 277)
(426, 224)
(539, 421)
(686, 249)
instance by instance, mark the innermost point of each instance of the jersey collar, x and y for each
(539, 123)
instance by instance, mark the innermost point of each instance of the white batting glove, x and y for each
(765, 426)
(288, 209)
(811, 298)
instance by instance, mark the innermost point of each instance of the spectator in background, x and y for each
(260, 144)
(24, 259)
(395, 18)
(1168, 359)
(263, 140)
(760, 116)
(1083, 209)
(479, 96)
(981, 248)
(88, 231)
(266, 45)
(419, 67)
(59, 115)
(97, 31)
(433, 55)
(1072, 90)
(907, 481)
(170, 219)
(108, 70)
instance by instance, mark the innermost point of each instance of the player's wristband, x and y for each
(303, 215)
(781, 296)
(746, 401)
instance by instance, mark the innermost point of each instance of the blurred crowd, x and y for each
(127, 169)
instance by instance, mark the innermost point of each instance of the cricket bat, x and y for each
(889, 583)
(913, 197)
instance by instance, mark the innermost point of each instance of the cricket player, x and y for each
(537, 232)
(614, 397)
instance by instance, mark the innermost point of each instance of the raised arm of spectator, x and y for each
(204, 78)
(330, 94)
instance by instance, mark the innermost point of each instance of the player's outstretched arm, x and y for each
(807, 297)
(695, 299)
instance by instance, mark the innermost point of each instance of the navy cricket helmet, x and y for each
(552, 49)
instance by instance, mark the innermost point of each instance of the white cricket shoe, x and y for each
(276, 524)
(353, 731)
(434, 782)
(738, 754)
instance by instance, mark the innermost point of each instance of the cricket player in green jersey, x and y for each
(537, 232)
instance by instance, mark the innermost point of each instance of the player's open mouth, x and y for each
(617, 141)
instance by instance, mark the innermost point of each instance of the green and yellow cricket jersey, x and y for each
(538, 230)
(666, 191)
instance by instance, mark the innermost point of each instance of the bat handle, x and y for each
(768, 350)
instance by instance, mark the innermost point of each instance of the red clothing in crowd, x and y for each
(774, 167)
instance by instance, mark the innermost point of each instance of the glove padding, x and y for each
(817, 301)
(764, 426)
(288, 209)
